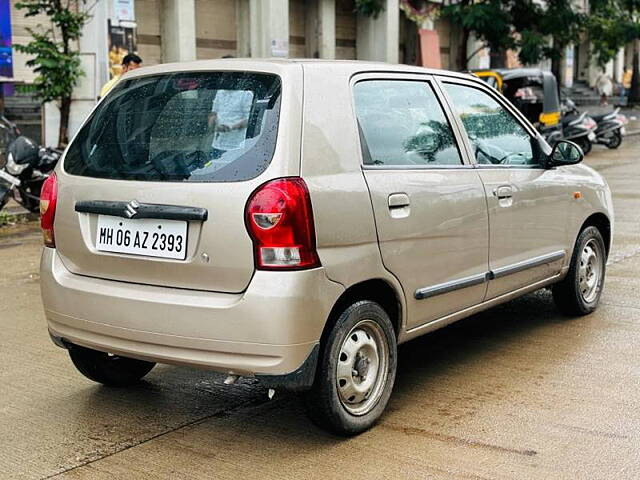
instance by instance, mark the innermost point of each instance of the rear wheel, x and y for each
(579, 292)
(108, 369)
(356, 371)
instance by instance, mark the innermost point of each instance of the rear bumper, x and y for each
(271, 329)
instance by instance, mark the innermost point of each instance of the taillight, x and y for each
(48, 200)
(279, 219)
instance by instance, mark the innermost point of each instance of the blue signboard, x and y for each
(6, 61)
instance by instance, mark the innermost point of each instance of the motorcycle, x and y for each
(578, 127)
(26, 168)
(610, 128)
(9, 131)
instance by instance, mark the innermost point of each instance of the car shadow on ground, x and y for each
(463, 356)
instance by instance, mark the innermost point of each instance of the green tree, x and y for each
(54, 53)
(546, 30)
(612, 25)
(538, 30)
(370, 8)
(489, 20)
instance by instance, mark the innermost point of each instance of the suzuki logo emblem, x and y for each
(131, 210)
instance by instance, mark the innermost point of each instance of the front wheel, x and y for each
(616, 140)
(29, 196)
(579, 292)
(108, 369)
(585, 144)
(356, 372)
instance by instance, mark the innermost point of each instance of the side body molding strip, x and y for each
(447, 287)
(520, 266)
(427, 292)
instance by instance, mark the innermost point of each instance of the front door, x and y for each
(429, 205)
(528, 204)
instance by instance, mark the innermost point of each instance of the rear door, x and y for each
(528, 204)
(172, 159)
(429, 204)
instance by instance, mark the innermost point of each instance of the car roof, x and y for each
(280, 64)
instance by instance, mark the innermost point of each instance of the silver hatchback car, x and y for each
(295, 221)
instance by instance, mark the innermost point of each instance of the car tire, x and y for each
(356, 371)
(579, 292)
(110, 370)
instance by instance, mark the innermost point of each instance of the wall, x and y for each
(297, 40)
(443, 27)
(148, 20)
(346, 29)
(215, 28)
(19, 25)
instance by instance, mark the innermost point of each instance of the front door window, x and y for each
(496, 136)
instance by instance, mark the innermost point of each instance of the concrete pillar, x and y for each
(94, 41)
(178, 30)
(481, 58)
(269, 28)
(320, 29)
(243, 28)
(378, 38)
(567, 67)
(327, 29)
(618, 65)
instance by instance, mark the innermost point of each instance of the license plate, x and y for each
(9, 178)
(591, 136)
(145, 236)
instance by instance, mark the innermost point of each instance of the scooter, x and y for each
(610, 128)
(26, 168)
(578, 127)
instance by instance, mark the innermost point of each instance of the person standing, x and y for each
(605, 87)
(131, 61)
(626, 86)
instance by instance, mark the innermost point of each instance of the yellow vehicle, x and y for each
(532, 91)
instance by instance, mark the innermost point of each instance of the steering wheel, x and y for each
(508, 159)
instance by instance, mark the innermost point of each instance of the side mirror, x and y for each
(565, 153)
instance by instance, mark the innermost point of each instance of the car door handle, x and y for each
(398, 200)
(504, 191)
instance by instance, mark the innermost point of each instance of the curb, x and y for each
(632, 132)
(13, 214)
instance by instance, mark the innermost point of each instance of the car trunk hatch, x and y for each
(155, 184)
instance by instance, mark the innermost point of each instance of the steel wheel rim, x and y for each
(590, 271)
(362, 368)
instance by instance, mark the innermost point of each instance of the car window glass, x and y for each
(402, 123)
(181, 127)
(496, 136)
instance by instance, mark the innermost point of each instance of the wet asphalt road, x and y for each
(517, 392)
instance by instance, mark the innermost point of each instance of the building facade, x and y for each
(162, 31)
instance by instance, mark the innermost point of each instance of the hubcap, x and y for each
(590, 271)
(362, 368)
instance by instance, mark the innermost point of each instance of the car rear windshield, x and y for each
(192, 127)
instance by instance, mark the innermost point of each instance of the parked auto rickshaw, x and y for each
(534, 92)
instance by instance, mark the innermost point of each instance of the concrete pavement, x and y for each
(517, 392)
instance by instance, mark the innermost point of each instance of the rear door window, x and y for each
(190, 126)
(402, 123)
